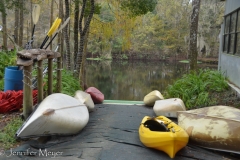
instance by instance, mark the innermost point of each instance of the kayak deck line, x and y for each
(123, 102)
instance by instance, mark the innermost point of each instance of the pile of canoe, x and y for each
(215, 127)
(160, 132)
(61, 114)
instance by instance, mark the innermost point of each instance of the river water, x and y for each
(132, 80)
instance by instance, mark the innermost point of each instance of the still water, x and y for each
(132, 80)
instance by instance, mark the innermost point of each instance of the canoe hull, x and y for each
(169, 142)
(58, 114)
(215, 127)
(96, 95)
(150, 98)
(168, 107)
(86, 99)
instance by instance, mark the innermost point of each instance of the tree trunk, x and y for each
(83, 69)
(4, 25)
(16, 25)
(20, 40)
(60, 35)
(66, 37)
(51, 20)
(193, 34)
(76, 17)
(83, 32)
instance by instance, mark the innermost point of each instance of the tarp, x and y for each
(111, 134)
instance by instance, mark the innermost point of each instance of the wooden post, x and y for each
(50, 76)
(40, 81)
(27, 90)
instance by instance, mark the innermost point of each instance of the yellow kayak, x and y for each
(162, 134)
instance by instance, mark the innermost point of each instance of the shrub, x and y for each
(194, 88)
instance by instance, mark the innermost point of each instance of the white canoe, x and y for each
(151, 97)
(85, 98)
(58, 114)
(215, 127)
(168, 107)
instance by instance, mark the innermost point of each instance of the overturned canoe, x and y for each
(58, 114)
(151, 97)
(85, 98)
(96, 95)
(168, 107)
(215, 127)
(162, 134)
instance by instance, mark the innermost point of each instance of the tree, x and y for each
(83, 29)
(138, 7)
(210, 19)
(4, 22)
(16, 24)
(21, 22)
(193, 34)
(60, 36)
(66, 37)
(75, 29)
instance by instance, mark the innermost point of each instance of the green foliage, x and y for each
(70, 84)
(97, 9)
(194, 88)
(138, 7)
(7, 136)
(6, 59)
(124, 56)
(106, 14)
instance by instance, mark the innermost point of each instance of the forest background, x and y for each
(154, 29)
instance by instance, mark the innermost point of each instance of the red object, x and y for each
(13, 100)
(96, 95)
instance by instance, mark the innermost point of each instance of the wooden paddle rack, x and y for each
(27, 58)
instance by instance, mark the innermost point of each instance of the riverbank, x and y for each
(153, 57)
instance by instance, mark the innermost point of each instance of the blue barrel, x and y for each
(13, 79)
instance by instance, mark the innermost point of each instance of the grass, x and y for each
(187, 61)
(7, 136)
(195, 88)
(95, 59)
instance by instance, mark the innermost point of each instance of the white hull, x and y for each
(168, 107)
(58, 114)
(85, 98)
(151, 97)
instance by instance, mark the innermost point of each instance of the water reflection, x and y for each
(123, 80)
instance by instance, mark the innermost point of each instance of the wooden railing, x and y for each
(26, 59)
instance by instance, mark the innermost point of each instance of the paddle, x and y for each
(55, 34)
(35, 16)
(53, 28)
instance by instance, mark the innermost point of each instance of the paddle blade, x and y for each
(54, 27)
(64, 24)
(35, 13)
